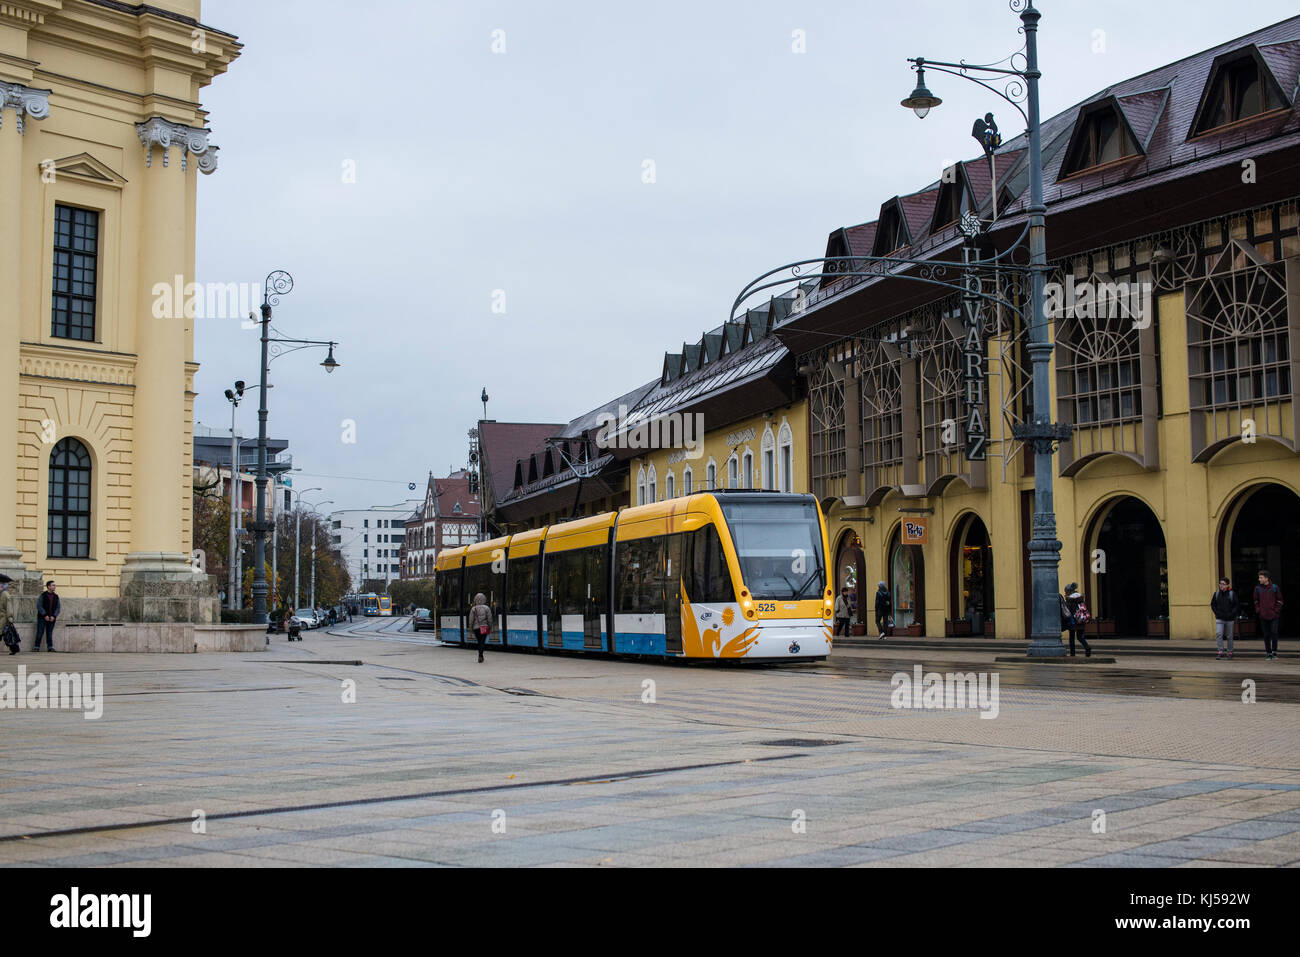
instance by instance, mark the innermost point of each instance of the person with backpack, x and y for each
(480, 622)
(1268, 609)
(1074, 615)
(884, 610)
(7, 629)
(1225, 606)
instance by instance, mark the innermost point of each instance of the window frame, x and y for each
(72, 252)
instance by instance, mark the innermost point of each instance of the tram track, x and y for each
(593, 778)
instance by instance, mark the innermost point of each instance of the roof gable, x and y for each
(1215, 109)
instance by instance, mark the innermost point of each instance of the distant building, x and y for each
(212, 465)
(447, 518)
(371, 539)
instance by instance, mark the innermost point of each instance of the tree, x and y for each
(211, 524)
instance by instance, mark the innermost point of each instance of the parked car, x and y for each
(306, 618)
(422, 620)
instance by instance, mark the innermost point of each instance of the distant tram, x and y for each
(714, 575)
(372, 604)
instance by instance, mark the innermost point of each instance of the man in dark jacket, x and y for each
(1225, 606)
(1268, 608)
(884, 609)
(842, 612)
(48, 607)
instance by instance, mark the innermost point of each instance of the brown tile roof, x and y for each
(505, 443)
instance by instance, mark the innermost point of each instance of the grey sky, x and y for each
(522, 171)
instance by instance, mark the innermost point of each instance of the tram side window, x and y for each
(636, 562)
(596, 574)
(572, 592)
(710, 581)
(523, 586)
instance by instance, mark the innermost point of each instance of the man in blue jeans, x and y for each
(1268, 608)
(47, 613)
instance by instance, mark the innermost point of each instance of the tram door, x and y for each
(595, 573)
(671, 577)
(553, 595)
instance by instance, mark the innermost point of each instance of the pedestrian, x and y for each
(7, 629)
(480, 621)
(48, 607)
(884, 610)
(1225, 606)
(1268, 608)
(842, 612)
(1074, 615)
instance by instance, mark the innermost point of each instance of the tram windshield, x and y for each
(779, 545)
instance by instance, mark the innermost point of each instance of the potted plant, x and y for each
(1100, 626)
(956, 626)
(1158, 627)
(916, 629)
(1246, 628)
(858, 628)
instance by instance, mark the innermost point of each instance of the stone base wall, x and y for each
(148, 637)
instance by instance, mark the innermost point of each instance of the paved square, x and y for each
(530, 760)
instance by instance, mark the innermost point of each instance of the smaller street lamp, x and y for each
(922, 101)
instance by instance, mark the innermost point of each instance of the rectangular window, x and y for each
(523, 586)
(709, 579)
(76, 263)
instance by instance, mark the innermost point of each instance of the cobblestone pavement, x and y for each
(545, 760)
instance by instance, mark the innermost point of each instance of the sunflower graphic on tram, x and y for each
(721, 575)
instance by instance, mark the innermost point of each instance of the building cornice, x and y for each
(39, 360)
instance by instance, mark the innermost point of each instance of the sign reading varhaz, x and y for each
(973, 370)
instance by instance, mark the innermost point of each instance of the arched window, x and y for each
(749, 469)
(786, 444)
(769, 459)
(69, 504)
(654, 485)
(733, 466)
(670, 483)
(688, 478)
(640, 486)
(713, 476)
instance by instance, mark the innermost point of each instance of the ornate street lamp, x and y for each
(1016, 288)
(1041, 434)
(278, 283)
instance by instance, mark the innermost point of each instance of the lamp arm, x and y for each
(1015, 88)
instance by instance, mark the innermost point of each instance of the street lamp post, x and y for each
(297, 542)
(1040, 434)
(314, 506)
(278, 283)
(1012, 284)
(233, 396)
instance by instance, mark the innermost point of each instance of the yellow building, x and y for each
(1174, 290)
(102, 140)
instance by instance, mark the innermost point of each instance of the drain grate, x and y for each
(800, 743)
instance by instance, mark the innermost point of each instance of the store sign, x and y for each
(916, 531)
(974, 373)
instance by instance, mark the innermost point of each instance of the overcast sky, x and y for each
(522, 171)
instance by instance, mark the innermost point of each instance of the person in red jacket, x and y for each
(1268, 608)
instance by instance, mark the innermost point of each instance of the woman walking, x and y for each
(480, 621)
(1074, 623)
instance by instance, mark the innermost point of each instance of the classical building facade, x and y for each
(448, 518)
(1174, 293)
(102, 143)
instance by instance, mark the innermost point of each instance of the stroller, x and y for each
(295, 630)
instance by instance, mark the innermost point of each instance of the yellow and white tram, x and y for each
(735, 574)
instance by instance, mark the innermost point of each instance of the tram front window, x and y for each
(779, 545)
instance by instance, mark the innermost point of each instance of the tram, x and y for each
(373, 604)
(727, 574)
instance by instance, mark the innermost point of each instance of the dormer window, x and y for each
(954, 200)
(1237, 90)
(456, 508)
(891, 233)
(1100, 137)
